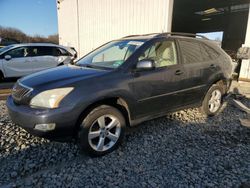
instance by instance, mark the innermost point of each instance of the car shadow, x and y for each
(7, 83)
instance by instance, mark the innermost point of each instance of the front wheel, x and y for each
(1, 77)
(213, 100)
(102, 130)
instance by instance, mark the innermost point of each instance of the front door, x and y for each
(156, 90)
(19, 64)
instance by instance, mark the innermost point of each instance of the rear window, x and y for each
(191, 51)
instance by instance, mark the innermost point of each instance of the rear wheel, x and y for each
(102, 130)
(213, 100)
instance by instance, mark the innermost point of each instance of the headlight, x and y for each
(50, 98)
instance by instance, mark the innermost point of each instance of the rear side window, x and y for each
(44, 51)
(206, 56)
(34, 51)
(212, 53)
(60, 52)
(191, 51)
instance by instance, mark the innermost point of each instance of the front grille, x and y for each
(20, 91)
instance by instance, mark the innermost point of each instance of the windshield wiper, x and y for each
(95, 67)
(88, 65)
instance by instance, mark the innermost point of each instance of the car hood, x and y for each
(60, 76)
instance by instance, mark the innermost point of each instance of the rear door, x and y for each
(211, 62)
(156, 90)
(43, 58)
(195, 74)
(20, 63)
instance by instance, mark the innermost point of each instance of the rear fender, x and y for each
(2, 68)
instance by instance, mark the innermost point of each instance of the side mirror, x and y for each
(7, 57)
(145, 65)
(243, 53)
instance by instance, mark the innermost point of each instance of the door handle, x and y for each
(212, 66)
(178, 72)
(135, 74)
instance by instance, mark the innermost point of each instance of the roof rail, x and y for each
(140, 35)
(131, 36)
(183, 34)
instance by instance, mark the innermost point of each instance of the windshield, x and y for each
(111, 55)
(5, 48)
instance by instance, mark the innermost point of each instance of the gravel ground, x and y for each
(183, 149)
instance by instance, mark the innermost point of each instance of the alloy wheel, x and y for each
(104, 133)
(214, 102)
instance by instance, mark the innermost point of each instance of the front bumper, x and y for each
(65, 119)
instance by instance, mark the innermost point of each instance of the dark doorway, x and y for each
(203, 16)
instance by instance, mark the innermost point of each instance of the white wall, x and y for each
(103, 20)
(245, 66)
(67, 22)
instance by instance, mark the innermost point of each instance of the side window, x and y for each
(62, 52)
(163, 53)
(34, 51)
(44, 51)
(206, 56)
(19, 52)
(213, 54)
(191, 51)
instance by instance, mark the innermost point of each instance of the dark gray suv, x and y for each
(122, 83)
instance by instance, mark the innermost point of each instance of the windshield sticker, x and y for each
(117, 63)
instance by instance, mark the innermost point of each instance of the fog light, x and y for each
(45, 127)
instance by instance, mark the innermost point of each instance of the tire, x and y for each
(60, 64)
(97, 135)
(213, 101)
(1, 77)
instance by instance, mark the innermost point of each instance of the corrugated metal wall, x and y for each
(67, 22)
(103, 20)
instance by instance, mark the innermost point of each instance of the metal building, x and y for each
(86, 24)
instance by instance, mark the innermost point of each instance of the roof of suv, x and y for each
(169, 34)
(69, 49)
(179, 35)
(36, 44)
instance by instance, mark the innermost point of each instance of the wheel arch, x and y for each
(1, 74)
(221, 81)
(117, 102)
(60, 64)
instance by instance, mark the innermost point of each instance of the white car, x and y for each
(22, 59)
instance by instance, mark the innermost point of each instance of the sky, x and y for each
(213, 35)
(33, 17)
